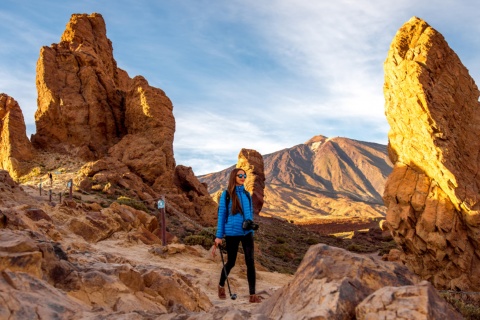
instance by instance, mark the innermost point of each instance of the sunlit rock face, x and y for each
(432, 194)
(90, 108)
(251, 161)
(81, 92)
(14, 144)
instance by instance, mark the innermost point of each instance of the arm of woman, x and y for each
(222, 214)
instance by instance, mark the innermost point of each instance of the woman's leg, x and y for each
(231, 243)
(248, 248)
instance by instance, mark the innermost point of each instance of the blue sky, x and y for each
(263, 75)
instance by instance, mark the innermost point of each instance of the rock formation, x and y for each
(390, 302)
(433, 194)
(198, 195)
(251, 161)
(330, 283)
(90, 108)
(15, 147)
(81, 92)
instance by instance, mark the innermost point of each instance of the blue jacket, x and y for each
(233, 227)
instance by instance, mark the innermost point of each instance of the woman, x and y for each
(233, 209)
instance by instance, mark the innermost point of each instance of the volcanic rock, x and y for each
(420, 302)
(251, 161)
(204, 208)
(92, 109)
(433, 193)
(330, 283)
(81, 102)
(15, 147)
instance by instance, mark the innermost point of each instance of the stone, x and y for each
(204, 207)
(15, 147)
(432, 194)
(330, 282)
(251, 161)
(419, 302)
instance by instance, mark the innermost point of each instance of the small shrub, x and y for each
(193, 240)
(311, 241)
(385, 248)
(281, 240)
(282, 251)
(209, 232)
(357, 248)
(468, 310)
(132, 203)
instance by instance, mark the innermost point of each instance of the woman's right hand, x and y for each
(218, 242)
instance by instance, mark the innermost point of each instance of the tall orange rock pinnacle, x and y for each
(433, 193)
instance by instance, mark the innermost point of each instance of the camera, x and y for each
(249, 225)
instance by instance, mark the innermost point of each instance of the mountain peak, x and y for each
(315, 142)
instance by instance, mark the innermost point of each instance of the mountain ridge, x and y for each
(324, 177)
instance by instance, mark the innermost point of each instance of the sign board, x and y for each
(69, 184)
(161, 204)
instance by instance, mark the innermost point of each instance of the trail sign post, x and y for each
(70, 186)
(161, 208)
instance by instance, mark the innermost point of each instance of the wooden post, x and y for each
(60, 194)
(161, 207)
(50, 195)
(40, 187)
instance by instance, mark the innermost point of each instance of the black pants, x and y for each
(231, 244)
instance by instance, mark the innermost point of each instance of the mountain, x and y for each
(321, 179)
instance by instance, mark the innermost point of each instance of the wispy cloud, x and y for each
(262, 75)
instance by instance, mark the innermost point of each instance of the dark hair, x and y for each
(232, 183)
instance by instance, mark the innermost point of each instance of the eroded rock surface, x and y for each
(90, 108)
(331, 283)
(15, 147)
(251, 161)
(433, 194)
(420, 302)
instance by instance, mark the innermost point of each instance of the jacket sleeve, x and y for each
(221, 215)
(248, 203)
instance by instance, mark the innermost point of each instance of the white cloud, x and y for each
(264, 75)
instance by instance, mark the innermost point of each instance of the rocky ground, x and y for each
(123, 260)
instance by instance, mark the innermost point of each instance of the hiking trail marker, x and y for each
(161, 207)
(70, 186)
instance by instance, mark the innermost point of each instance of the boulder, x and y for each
(329, 284)
(419, 302)
(432, 194)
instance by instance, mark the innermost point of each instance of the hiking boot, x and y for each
(221, 293)
(255, 299)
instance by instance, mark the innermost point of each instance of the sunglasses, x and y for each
(242, 175)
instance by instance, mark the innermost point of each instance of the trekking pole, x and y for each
(232, 296)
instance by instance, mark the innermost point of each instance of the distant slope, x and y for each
(322, 178)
